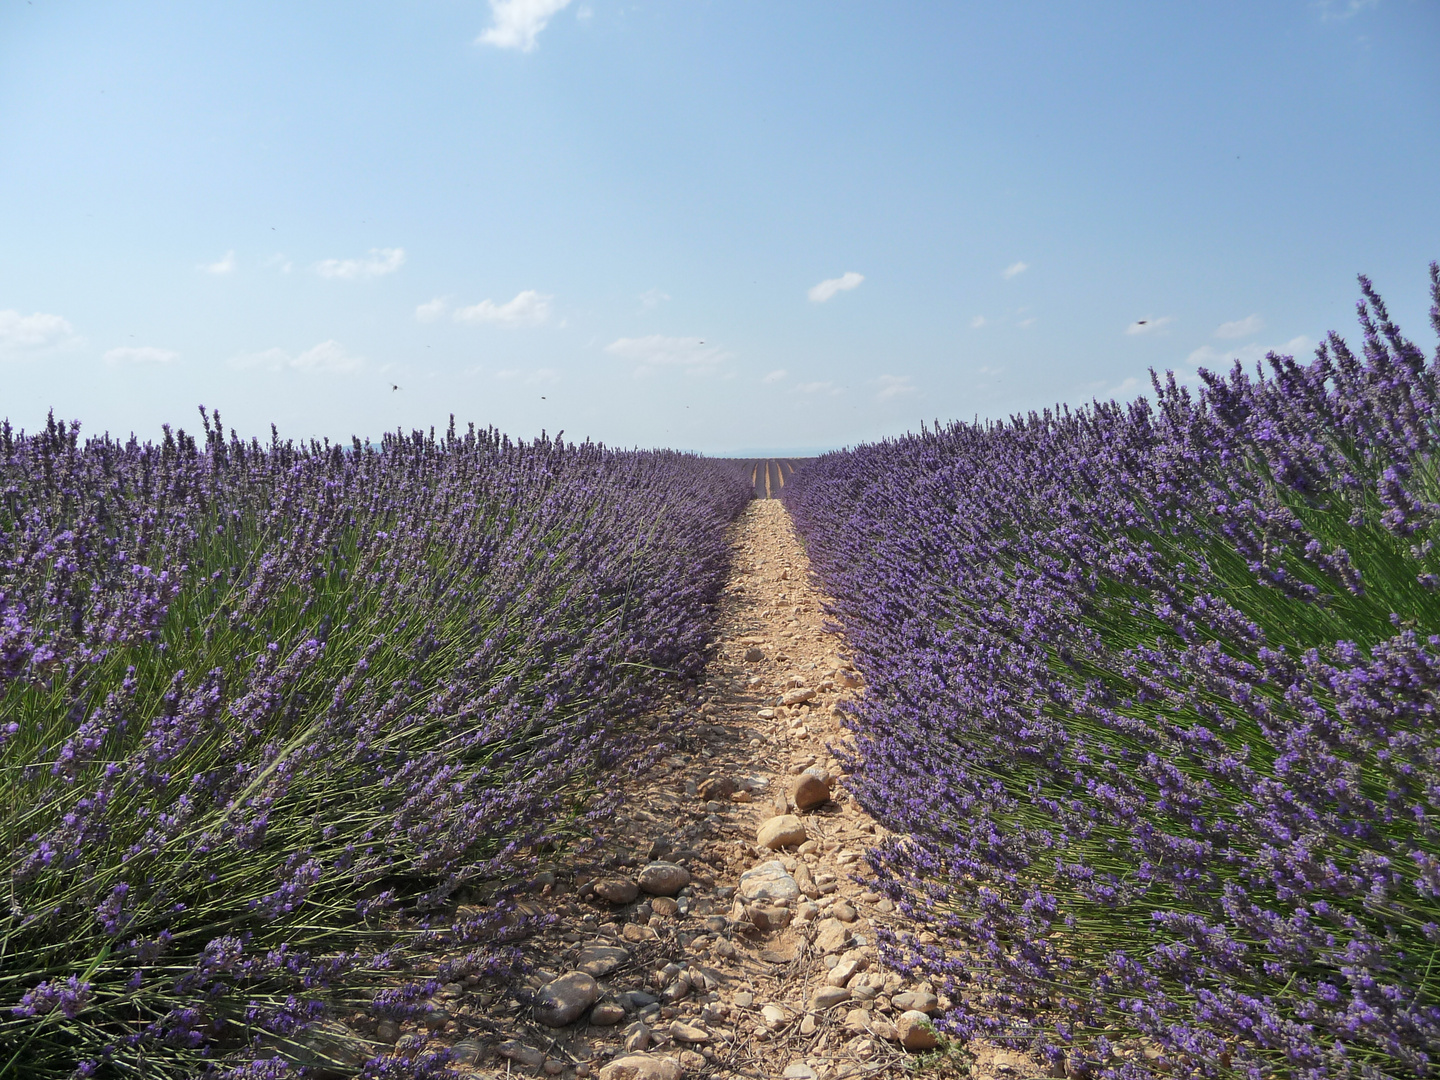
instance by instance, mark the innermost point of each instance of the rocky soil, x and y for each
(719, 929)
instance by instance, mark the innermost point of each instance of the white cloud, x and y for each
(893, 386)
(775, 376)
(280, 262)
(830, 286)
(22, 335)
(529, 308)
(977, 322)
(1148, 325)
(819, 388)
(223, 265)
(1246, 327)
(380, 261)
(651, 298)
(141, 354)
(519, 22)
(432, 309)
(1338, 11)
(1015, 269)
(329, 357)
(1207, 356)
(656, 350)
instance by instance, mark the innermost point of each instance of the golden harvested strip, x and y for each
(767, 480)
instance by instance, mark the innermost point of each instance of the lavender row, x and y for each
(265, 711)
(1172, 669)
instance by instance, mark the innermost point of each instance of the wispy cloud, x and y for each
(528, 308)
(280, 262)
(977, 322)
(827, 388)
(775, 376)
(1208, 356)
(657, 351)
(893, 386)
(140, 354)
(517, 23)
(1148, 325)
(830, 286)
(432, 309)
(28, 335)
(329, 357)
(1246, 327)
(1015, 269)
(1340, 10)
(652, 298)
(379, 262)
(223, 265)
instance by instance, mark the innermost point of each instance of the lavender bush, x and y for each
(264, 710)
(1173, 666)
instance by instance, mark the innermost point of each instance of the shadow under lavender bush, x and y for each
(1174, 668)
(263, 710)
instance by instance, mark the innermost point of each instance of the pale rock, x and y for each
(916, 1001)
(774, 1016)
(831, 935)
(690, 1061)
(915, 1031)
(663, 879)
(641, 1067)
(516, 1051)
(798, 1070)
(688, 1033)
(768, 881)
(857, 1022)
(600, 960)
(634, 932)
(664, 905)
(840, 974)
(808, 1024)
(827, 997)
(561, 1001)
(617, 890)
(797, 696)
(607, 1014)
(637, 1037)
(844, 912)
(717, 787)
(802, 875)
(785, 830)
(768, 919)
(744, 999)
(812, 789)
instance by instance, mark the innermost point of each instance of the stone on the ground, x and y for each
(768, 919)
(515, 1050)
(840, 974)
(769, 881)
(664, 905)
(635, 933)
(467, 1052)
(774, 1016)
(798, 1070)
(812, 789)
(857, 1022)
(915, 1032)
(844, 912)
(641, 1067)
(554, 1066)
(831, 935)
(785, 830)
(607, 1014)
(688, 1033)
(600, 960)
(744, 999)
(797, 696)
(754, 655)
(637, 1037)
(387, 1031)
(617, 890)
(918, 1001)
(562, 1000)
(827, 997)
(717, 787)
(663, 879)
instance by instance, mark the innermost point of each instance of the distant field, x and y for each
(768, 476)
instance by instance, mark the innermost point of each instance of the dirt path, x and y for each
(664, 960)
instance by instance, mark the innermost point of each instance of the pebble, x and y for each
(764, 714)
(785, 830)
(607, 1014)
(827, 997)
(769, 919)
(387, 1031)
(467, 1052)
(637, 1037)
(664, 905)
(515, 1050)
(844, 912)
(554, 1067)
(663, 879)
(840, 974)
(688, 1033)
(812, 789)
(808, 1024)
(769, 881)
(691, 1061)
(617, 890)
(773, 1015)
(914, 1031)
(717, 787)
(744, 999)
(917, 1002)
(831, 935)
(634, 932)
(600, 960)
(795, 697)
(754, 655)
(641, 1067)
(561, 1001)
(798, 1070)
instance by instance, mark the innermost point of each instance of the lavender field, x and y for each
(1152, 713)
(266, 710)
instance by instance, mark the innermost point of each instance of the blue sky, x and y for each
(722, 226)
